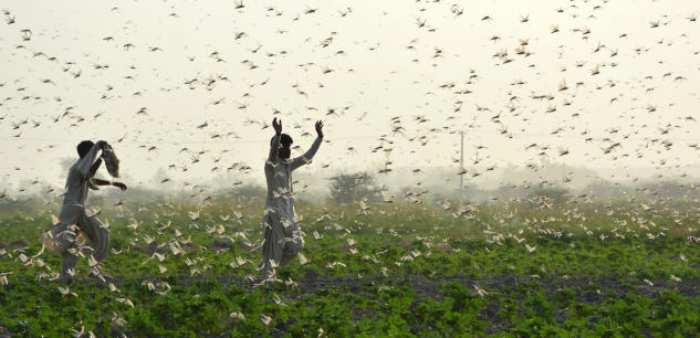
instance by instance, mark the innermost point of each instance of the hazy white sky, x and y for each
(361, 66)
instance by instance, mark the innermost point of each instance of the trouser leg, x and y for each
(65, 238)
(294, 242)
(293, 239)
(97, 235)
(273, 245)
(68, 265)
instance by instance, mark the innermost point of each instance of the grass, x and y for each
(501, 269)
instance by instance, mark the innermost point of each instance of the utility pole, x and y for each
(461, 165)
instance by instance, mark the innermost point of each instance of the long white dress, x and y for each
(283, 238)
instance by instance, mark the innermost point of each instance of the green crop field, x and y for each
(502, 269)
(483, 168)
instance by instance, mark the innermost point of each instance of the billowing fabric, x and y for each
(283, 238)
(111, 161)
(72, 221)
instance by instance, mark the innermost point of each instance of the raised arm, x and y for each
(309, 154)
(86, 163)
(275, 143)
(101, 182)
(92, 182)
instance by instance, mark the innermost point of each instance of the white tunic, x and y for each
(281, 231)
(78, 178)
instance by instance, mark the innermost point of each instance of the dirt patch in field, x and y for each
(586, 289)
(425, 287)
(163, 248)
(5, 333)
(14, 245)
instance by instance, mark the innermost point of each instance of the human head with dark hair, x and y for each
(285, 149)
(84, 147)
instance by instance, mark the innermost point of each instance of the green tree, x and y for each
(347, 188)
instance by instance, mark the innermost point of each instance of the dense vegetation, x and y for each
(519, 268)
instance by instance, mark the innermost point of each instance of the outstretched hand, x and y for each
(319, 128)
(119, 185)
(277, 124)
